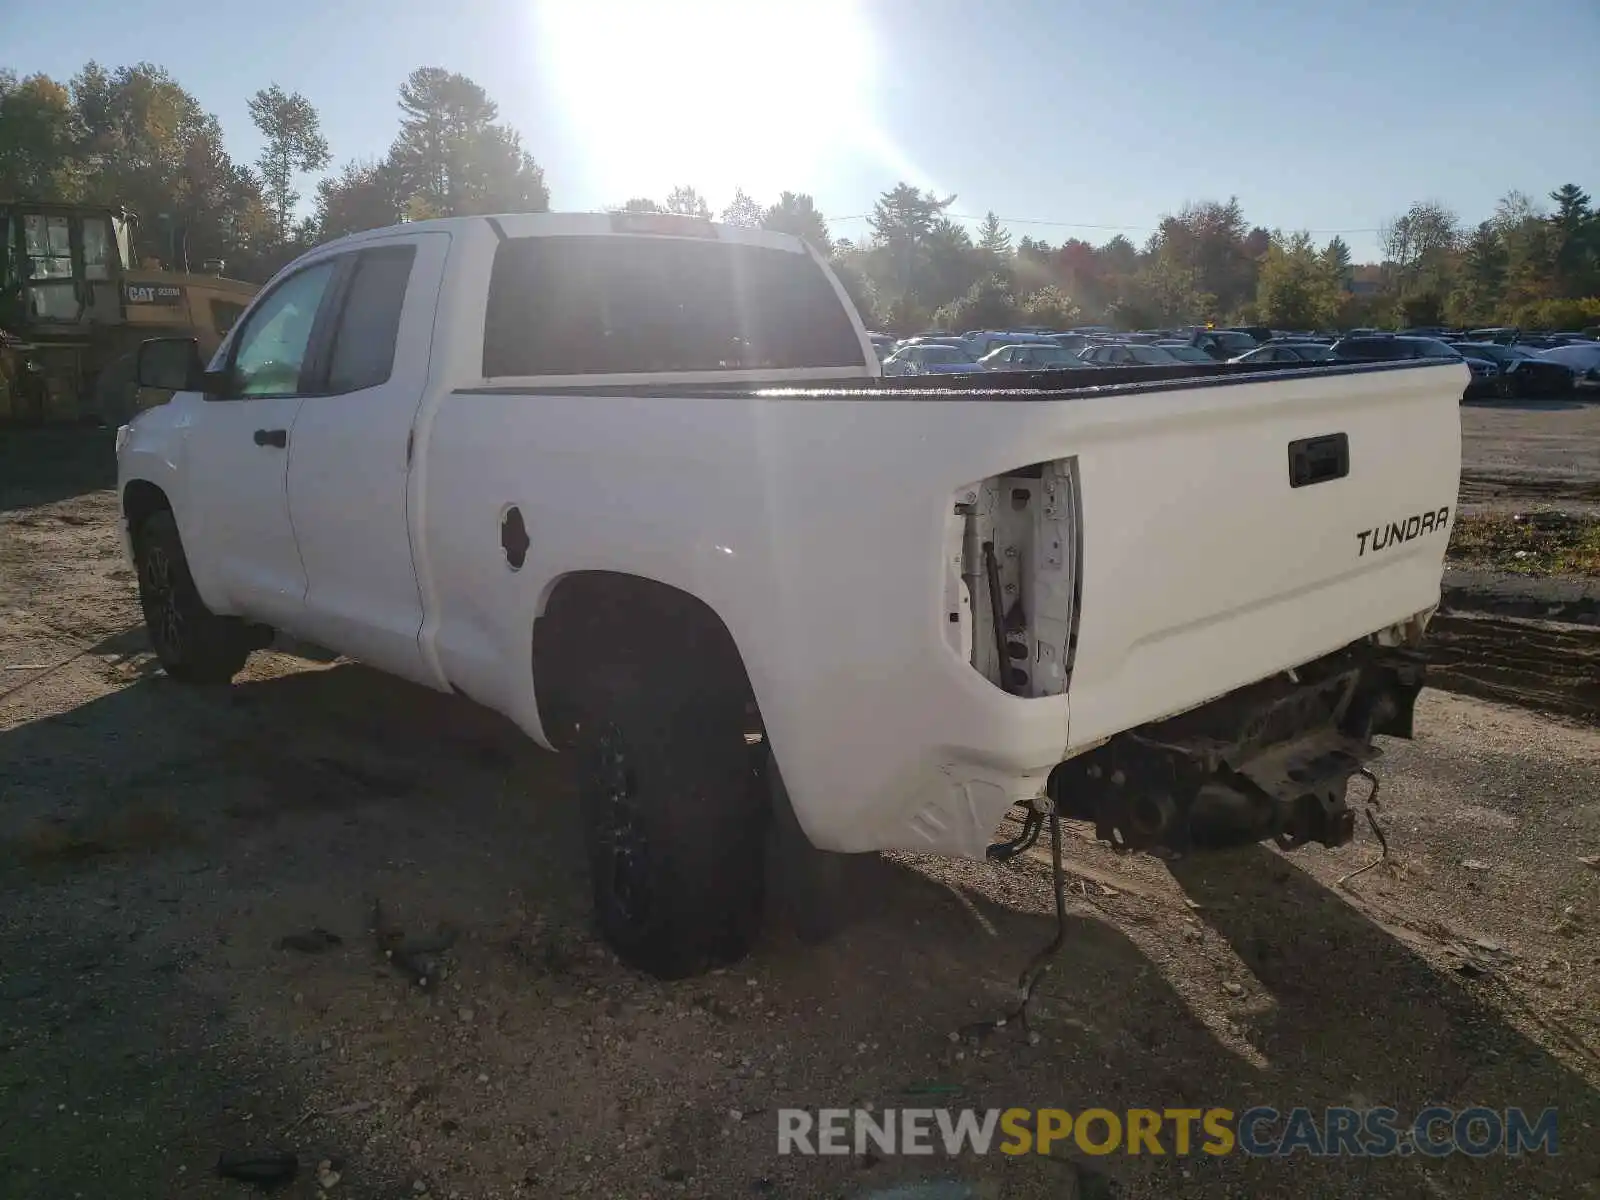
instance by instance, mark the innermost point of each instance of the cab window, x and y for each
(97, 248)
(271, 349)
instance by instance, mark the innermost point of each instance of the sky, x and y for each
(1068, 119)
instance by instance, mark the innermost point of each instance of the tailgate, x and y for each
(1232, 533)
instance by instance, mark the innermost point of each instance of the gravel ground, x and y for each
(158, 843)
(1515, 453)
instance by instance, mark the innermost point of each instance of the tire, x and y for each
(810, 891)
(194, 644)
(673, 825)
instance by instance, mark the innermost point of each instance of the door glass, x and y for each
(47, 261)
(272, 345)
(96, 248)
(364, 339)
(223, 314)
(49, 246)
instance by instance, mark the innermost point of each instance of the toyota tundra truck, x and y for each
(636, 482)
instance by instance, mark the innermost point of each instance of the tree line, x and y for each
(134, 137)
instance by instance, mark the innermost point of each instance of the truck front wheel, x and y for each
(674, 825)
(194, 644)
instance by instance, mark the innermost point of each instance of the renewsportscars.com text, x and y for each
(1258, 1132)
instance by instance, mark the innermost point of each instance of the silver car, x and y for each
(1031, 357)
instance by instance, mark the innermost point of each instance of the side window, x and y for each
(49, 247)
(97, 248)
(369, 323)
(271, 348)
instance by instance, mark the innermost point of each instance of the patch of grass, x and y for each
(1546, 542)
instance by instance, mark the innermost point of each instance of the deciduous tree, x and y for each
(987, 304)
(363, 195)
(687, 202)
(742, 211)
(1050, 307)
(1297, 288)
(294, 146)
(39, 131)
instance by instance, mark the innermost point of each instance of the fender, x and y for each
(152, 447)
(732, 593)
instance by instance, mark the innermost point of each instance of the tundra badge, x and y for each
(1403, 530)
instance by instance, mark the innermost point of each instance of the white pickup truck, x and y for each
(636, 483)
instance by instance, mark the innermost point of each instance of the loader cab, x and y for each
(75, 303)
(61, 267)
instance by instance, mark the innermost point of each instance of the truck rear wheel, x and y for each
(194, 644)
(809, 890)
(674, 826)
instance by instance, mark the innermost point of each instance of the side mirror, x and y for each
(171, 364)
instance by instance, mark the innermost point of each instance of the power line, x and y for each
(1081, 224)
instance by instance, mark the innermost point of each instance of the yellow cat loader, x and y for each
(74, 306)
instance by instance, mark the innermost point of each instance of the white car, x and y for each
(750, 587)
(983, 341)
(930, 358)
(1128, 354)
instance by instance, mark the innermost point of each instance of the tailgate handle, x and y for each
(1318, 459)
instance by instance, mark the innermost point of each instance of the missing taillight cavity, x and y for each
(1012, 582)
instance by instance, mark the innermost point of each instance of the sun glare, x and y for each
(760, 95)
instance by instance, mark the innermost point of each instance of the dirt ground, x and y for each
(158, 843)
(1515, 454)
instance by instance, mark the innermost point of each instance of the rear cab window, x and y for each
(581, 304)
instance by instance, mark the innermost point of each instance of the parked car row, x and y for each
(1510, 368)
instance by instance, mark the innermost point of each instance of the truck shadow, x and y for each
(347, 781)
(41, 466)
(1359, 1018)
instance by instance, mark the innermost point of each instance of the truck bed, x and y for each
(991, 385)
(1181, 560)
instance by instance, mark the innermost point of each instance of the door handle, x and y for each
(272, 437)
(1319, 459)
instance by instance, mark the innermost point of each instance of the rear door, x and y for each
(349, 462)
(238, 454)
